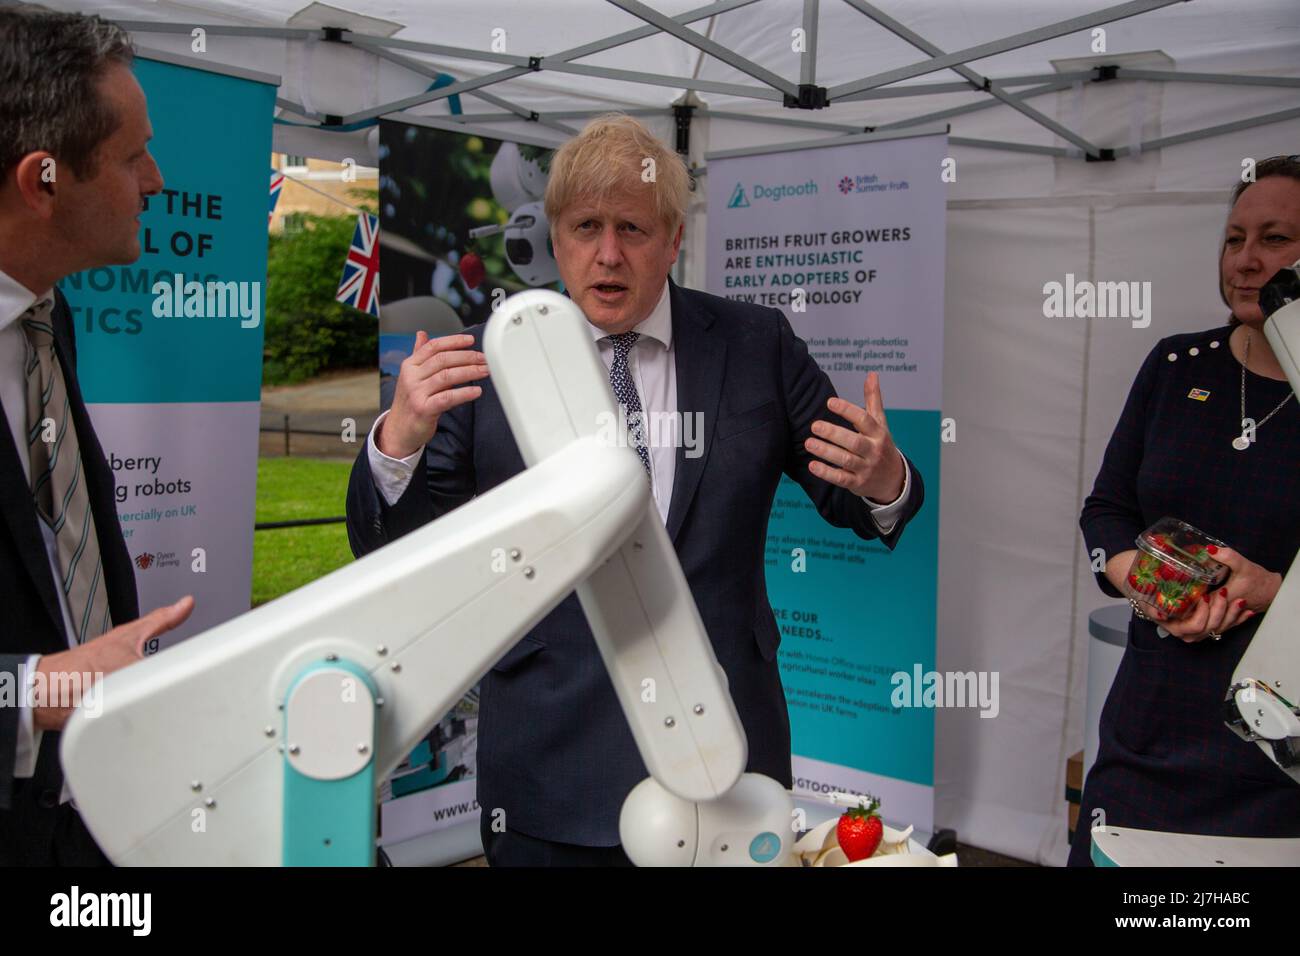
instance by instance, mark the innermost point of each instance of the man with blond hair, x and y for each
(555, 753)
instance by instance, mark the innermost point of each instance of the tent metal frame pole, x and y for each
(219, 29)
(532, 116)
(808, 58)
(444, 123)
(982, 82)
(913, 89)
(976, 107)
(711, 47)
(1042, 119)
(1210, 131)
(463, 86)
(595, 46)
(871, 87)
(1108, 15)
(297, 108)
(559, 62)
(549, 62)
(658, 79)
(432, 72)
(662, 111)
(1226, 79)
(782, 121)
(437, 49)
(822, 142)
(1058, 151)
(965, 86)
(935, 117)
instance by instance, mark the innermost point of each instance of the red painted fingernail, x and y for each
(1241, 603)
(1213, 549)
(1206, 597)
(1223, 591)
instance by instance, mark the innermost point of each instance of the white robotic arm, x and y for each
(1262, 704)
(262, 740)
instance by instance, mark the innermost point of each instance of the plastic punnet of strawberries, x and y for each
(1174, 567)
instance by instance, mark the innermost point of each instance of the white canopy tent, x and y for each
(1170, 99)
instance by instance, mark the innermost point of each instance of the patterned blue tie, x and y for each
(625, 391)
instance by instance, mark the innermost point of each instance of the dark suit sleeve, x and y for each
(444, 479)
(807, 389)
(1112, 517)
(9, 664)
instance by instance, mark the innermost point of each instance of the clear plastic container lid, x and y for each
(1179, 544)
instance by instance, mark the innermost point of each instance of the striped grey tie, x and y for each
(58, 480)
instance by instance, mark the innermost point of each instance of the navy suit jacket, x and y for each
(32, 622)
(554, 750)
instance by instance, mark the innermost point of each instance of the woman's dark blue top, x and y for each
(1166, 761)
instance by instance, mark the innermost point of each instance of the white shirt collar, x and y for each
(16, 298)
(658, 325)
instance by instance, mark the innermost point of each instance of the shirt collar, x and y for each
(16, 298)
(658, 325)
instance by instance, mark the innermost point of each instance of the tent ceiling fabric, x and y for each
(341, 81)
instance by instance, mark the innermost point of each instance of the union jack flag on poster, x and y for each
(359, 287)
(277, 183)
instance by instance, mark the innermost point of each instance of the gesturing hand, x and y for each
(434, 378)
(111, 651)
(864, 460)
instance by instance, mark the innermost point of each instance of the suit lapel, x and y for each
(701, 358)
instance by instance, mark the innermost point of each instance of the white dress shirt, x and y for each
(653, 366)
(15, 299)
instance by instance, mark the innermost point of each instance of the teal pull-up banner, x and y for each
(169, 347)
(848, 242)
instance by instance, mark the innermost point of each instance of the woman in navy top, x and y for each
(1166, 760)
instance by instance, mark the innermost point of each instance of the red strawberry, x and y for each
(471, 269)
(860, 831)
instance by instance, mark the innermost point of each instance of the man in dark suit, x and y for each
(74, 170)
(555, 755)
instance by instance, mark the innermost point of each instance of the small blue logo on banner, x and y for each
(738, 200)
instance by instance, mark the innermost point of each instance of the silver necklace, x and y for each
(1241, 442)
